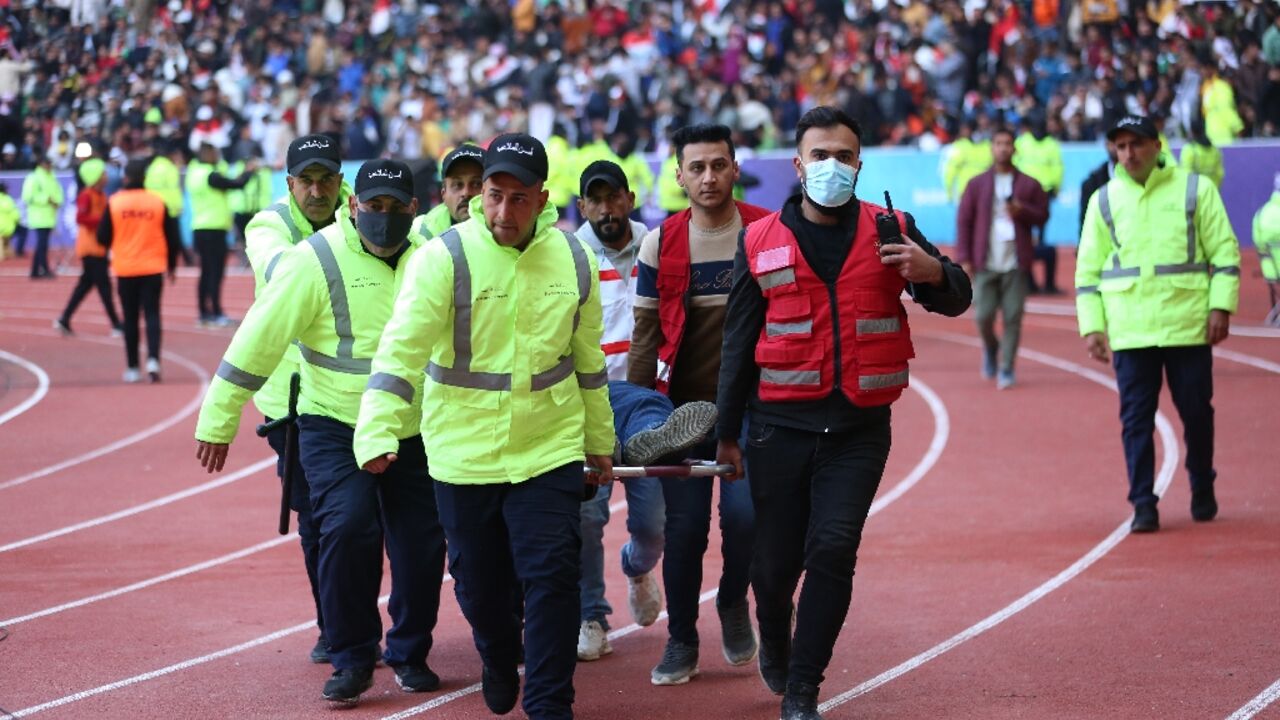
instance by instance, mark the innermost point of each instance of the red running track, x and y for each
(1000, 584)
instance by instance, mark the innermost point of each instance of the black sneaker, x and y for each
(775, 658)
(416, 678)
(1146, 519)
(500, 690)
(684, 428)
(1204, 505)
(738, 638)
(320, 653)
(345, 686)
(800, 702)
(679, 664)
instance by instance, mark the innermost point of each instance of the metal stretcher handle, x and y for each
(702, 468)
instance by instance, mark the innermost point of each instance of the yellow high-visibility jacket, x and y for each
(1202, 160)
(1155, 259)
(433, 222)
(511, 345)
(639, 176)
(334, 298)
(1266, 237)
(164, 179)
(966, 160)
(1041, 159)
(671, 197)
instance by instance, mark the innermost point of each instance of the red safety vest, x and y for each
(808, 347)
(674, 270)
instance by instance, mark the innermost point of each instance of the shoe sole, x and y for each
(406, 688)
(349, 700)
(686, 426)
(592, 657)
(674, 680)
(740, 663)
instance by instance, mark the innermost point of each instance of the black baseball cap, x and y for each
(603, 171)
(465, 151)
(311, 150)
(1136, 124)
(517, 154)
(384, 177)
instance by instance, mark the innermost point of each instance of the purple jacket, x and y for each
(973, 221)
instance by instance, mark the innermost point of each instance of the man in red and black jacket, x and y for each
(816, 345)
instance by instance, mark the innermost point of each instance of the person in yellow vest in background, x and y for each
(1199, 156)
(333, 294)
(671, 195)
(561, 181)
(10, 218)
(504, 312)
(965, 160)
(208, 185)
(1157, 280)
(1038, 154)
(1218, 105)
(597, 148)
(255, 195)
(144, 242)
(164, 175)
(1266, 238)
(42, 194)
(91, 205)
(317, 196)
(459, 182)
(635, 167)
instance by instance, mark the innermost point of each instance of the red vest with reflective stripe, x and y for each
(807, 347)
(674, 271)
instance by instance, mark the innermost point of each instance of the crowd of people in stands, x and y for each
(410, 79)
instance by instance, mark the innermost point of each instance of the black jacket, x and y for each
(1099, 177)
(825, 249)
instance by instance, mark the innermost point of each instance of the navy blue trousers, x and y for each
(353, 509)
(308, 528)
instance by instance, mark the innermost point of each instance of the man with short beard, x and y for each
(461, 170)
(816, 345)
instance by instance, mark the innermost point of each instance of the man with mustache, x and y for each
(461, 170)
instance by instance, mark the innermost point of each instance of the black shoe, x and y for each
(678, 666)
(320, 653)
(1146, 519)
(684, 428)
(1204, 505)
(800, 702)
(738, 638)
(500, 690)
(416, 678)
(345, 686)
(774, 660)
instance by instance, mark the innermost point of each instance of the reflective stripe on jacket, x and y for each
(1154, 259)
(511, 343)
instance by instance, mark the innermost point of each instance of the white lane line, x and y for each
(941, 432)
(1258, 704)
(1168, 466)
(124, 442)
(136, 509)
(188, 570)
(940, 424)
(1250, 360)
(42, 386)
(172, 323)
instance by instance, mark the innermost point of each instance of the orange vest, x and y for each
(87, 237)
(853, 337)
(138, 245)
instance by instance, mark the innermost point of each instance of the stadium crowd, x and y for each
(410, 79)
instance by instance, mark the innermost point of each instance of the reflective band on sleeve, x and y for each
(880, 382)
(1104, 207)
(793, 328)
(785, 276)
(1086, 289)
(1226, 270)
(351, 366)
(337, 296)
(875, 326)
(468, 379)
(281, 209)
(1182, 268)
(271, 266)
(790, 377)
(240, 378)
(387, 382)
(1120, 273)
(593, 381)
(1193, 184)
(547, 378)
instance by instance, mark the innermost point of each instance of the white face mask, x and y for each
(829, 182)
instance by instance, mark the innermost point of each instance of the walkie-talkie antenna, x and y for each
(888, 201)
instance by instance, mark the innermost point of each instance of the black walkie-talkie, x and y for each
(887, 226)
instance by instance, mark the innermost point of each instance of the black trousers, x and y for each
(308, 527)
(140, 295)
(93, 275)
(812, 493)
(211, 245)
(40, 258)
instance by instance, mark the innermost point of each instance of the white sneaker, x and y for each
(593, 641)
(153, 369)
(132, 375)
(645, 599)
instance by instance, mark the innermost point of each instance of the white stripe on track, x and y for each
(42, 386)
(1258, 704)
(1250, 360)
(188, 570)
(1168, 466)
(136, 509)
(172, 323)
(124, 442)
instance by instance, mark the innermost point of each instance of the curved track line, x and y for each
(158, 502)
(1244, 359)
(190, 569)
(1258, 704)
(941, 427)
(1168, 466)
(42, 385)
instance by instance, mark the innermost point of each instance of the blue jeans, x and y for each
(688, 525)
(354, 508)
(635, 409)
(1139, 377)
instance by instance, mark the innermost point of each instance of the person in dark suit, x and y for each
(1100, 176)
